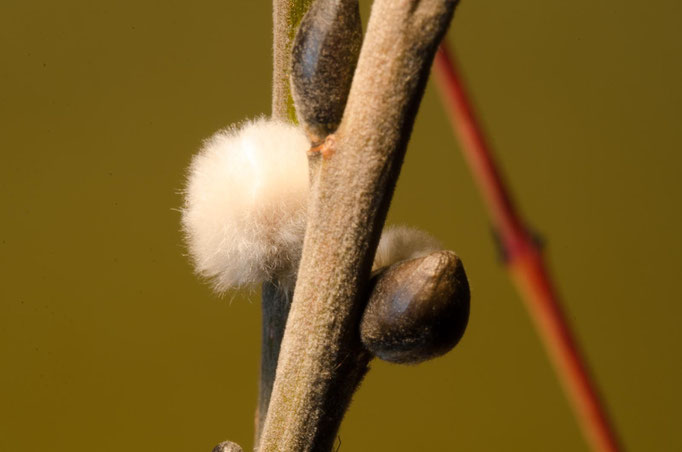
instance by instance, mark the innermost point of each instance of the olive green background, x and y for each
(108, 342)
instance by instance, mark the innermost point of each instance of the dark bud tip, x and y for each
(324, 55)
(418, 309)
(227, 446)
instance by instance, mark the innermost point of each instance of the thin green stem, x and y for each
(287, 15)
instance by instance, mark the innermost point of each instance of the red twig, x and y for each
(525, 262)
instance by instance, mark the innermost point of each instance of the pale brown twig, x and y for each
(321, 360)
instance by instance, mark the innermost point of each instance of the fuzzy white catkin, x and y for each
(245, 208)
(399, 243)
(245, 201)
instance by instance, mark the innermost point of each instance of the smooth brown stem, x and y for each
(525, 263)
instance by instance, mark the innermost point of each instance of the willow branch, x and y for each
(525, 262)
(321, 361)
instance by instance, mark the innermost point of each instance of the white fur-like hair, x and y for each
(245, 208)
(245, 204)
(399, 243)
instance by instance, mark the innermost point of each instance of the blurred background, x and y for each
(109, 342)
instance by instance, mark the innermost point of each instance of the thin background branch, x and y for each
(525, 262)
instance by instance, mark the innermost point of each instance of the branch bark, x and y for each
(321, 360)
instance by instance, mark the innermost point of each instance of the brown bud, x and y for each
(325, 53)
(418, 309)
(227, 446)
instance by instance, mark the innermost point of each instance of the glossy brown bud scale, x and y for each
(324, 55)
(418, 309)
(227, 446)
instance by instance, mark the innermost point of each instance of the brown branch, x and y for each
(525, 263)
(417, 309)
(321, 360)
